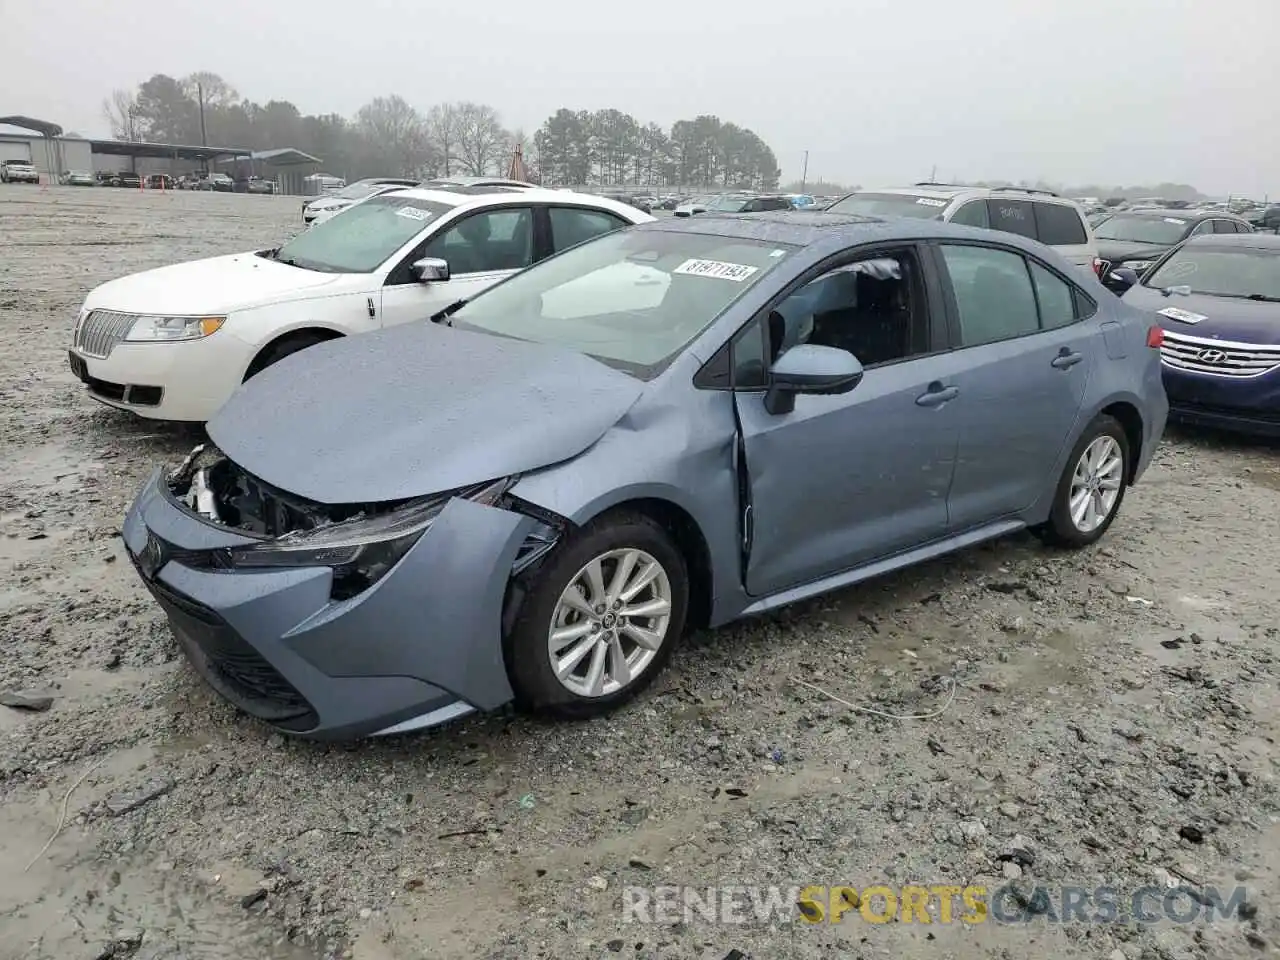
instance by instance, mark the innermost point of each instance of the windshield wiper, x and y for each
(442, 316)
(1263, 298)
(1183, 289)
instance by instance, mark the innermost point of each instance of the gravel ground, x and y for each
(1112, 722)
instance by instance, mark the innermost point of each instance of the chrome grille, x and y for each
(101, 330)
(1218, 358)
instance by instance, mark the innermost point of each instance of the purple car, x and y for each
(1218, 297)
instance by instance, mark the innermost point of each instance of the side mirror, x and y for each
(809, 368)
(1122, 278)
(431, 270)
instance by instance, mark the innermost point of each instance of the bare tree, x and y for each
(481, 138)
(398, 135)
(217, 92)
(444, 126)
(120, 111)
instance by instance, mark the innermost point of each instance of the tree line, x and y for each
(389, 136)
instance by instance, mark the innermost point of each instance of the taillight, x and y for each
(1097, 266)
(1155, 336)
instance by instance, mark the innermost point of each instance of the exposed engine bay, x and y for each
(213, 486)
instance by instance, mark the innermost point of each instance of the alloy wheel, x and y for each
(1096, 483)
(610, 622)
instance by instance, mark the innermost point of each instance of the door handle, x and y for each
(1066, 359)
(937, 395)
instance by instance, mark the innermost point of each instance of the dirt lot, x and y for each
(1113, 721)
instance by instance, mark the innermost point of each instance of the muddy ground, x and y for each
(1113, 721)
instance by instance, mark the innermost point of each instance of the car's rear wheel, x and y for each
(600, 620)
(1091, 487)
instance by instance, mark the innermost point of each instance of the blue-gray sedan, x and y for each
(534, 496)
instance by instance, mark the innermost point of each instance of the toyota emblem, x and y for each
(1212, 355)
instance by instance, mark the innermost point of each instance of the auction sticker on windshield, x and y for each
(737, 272)
(1186, 316)
(931, 202)
(1175, 220)
(413, 213)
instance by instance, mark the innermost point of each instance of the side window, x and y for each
(993, 294)
(1223, 226)
(1057, 305)
(776, 203)
(873, 308)
(751, 357)
(1204, 226)
(973, 214)
(571, 226)
(1059, 225)
(485, 242)
(1012, 216)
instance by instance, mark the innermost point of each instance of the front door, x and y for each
(1025, 353)
(843, 480)
(481, 248)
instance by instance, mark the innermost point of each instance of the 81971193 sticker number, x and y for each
(737, 272)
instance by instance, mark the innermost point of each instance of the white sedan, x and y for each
(173, 343)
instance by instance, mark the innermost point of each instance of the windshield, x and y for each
(359, 189)
(727, 204)
(364, 236)
(890, 205)
(631, 299)
(1221, 272)
(1159, 230)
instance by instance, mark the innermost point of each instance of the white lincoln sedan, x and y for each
(173, 343)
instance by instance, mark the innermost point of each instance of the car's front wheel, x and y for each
(601, 618)
(1091, 487)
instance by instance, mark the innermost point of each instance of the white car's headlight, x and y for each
(154, 329)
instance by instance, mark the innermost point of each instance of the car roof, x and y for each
(805, 228)
(949, 191)
(1246, 241)
(1194, 214)
(460, 198)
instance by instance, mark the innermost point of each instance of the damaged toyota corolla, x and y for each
(532, 496)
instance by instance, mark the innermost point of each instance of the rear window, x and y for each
(891, 205)
(1059, 225)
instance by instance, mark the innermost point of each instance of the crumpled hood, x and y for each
(417, 409)
(1225, 318)
(1119, 250)
(213, 286)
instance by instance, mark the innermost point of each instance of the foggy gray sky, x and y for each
(878, 91)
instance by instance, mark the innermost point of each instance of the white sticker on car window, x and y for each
(930, 202)
(1185, 316)
(737, 272)
(1181, 223)
(778, 253)
(414, 213)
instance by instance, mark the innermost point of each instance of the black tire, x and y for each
(281, 349)
(525, 648)
(1061, 530)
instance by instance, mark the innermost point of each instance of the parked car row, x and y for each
(473, 444)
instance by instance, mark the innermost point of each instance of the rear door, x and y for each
(1025, 351)
(481, 248)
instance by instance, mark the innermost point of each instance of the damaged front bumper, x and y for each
(420, 646)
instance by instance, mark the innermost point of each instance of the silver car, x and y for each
(533, 497)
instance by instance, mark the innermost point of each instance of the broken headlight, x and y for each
(360, 550)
